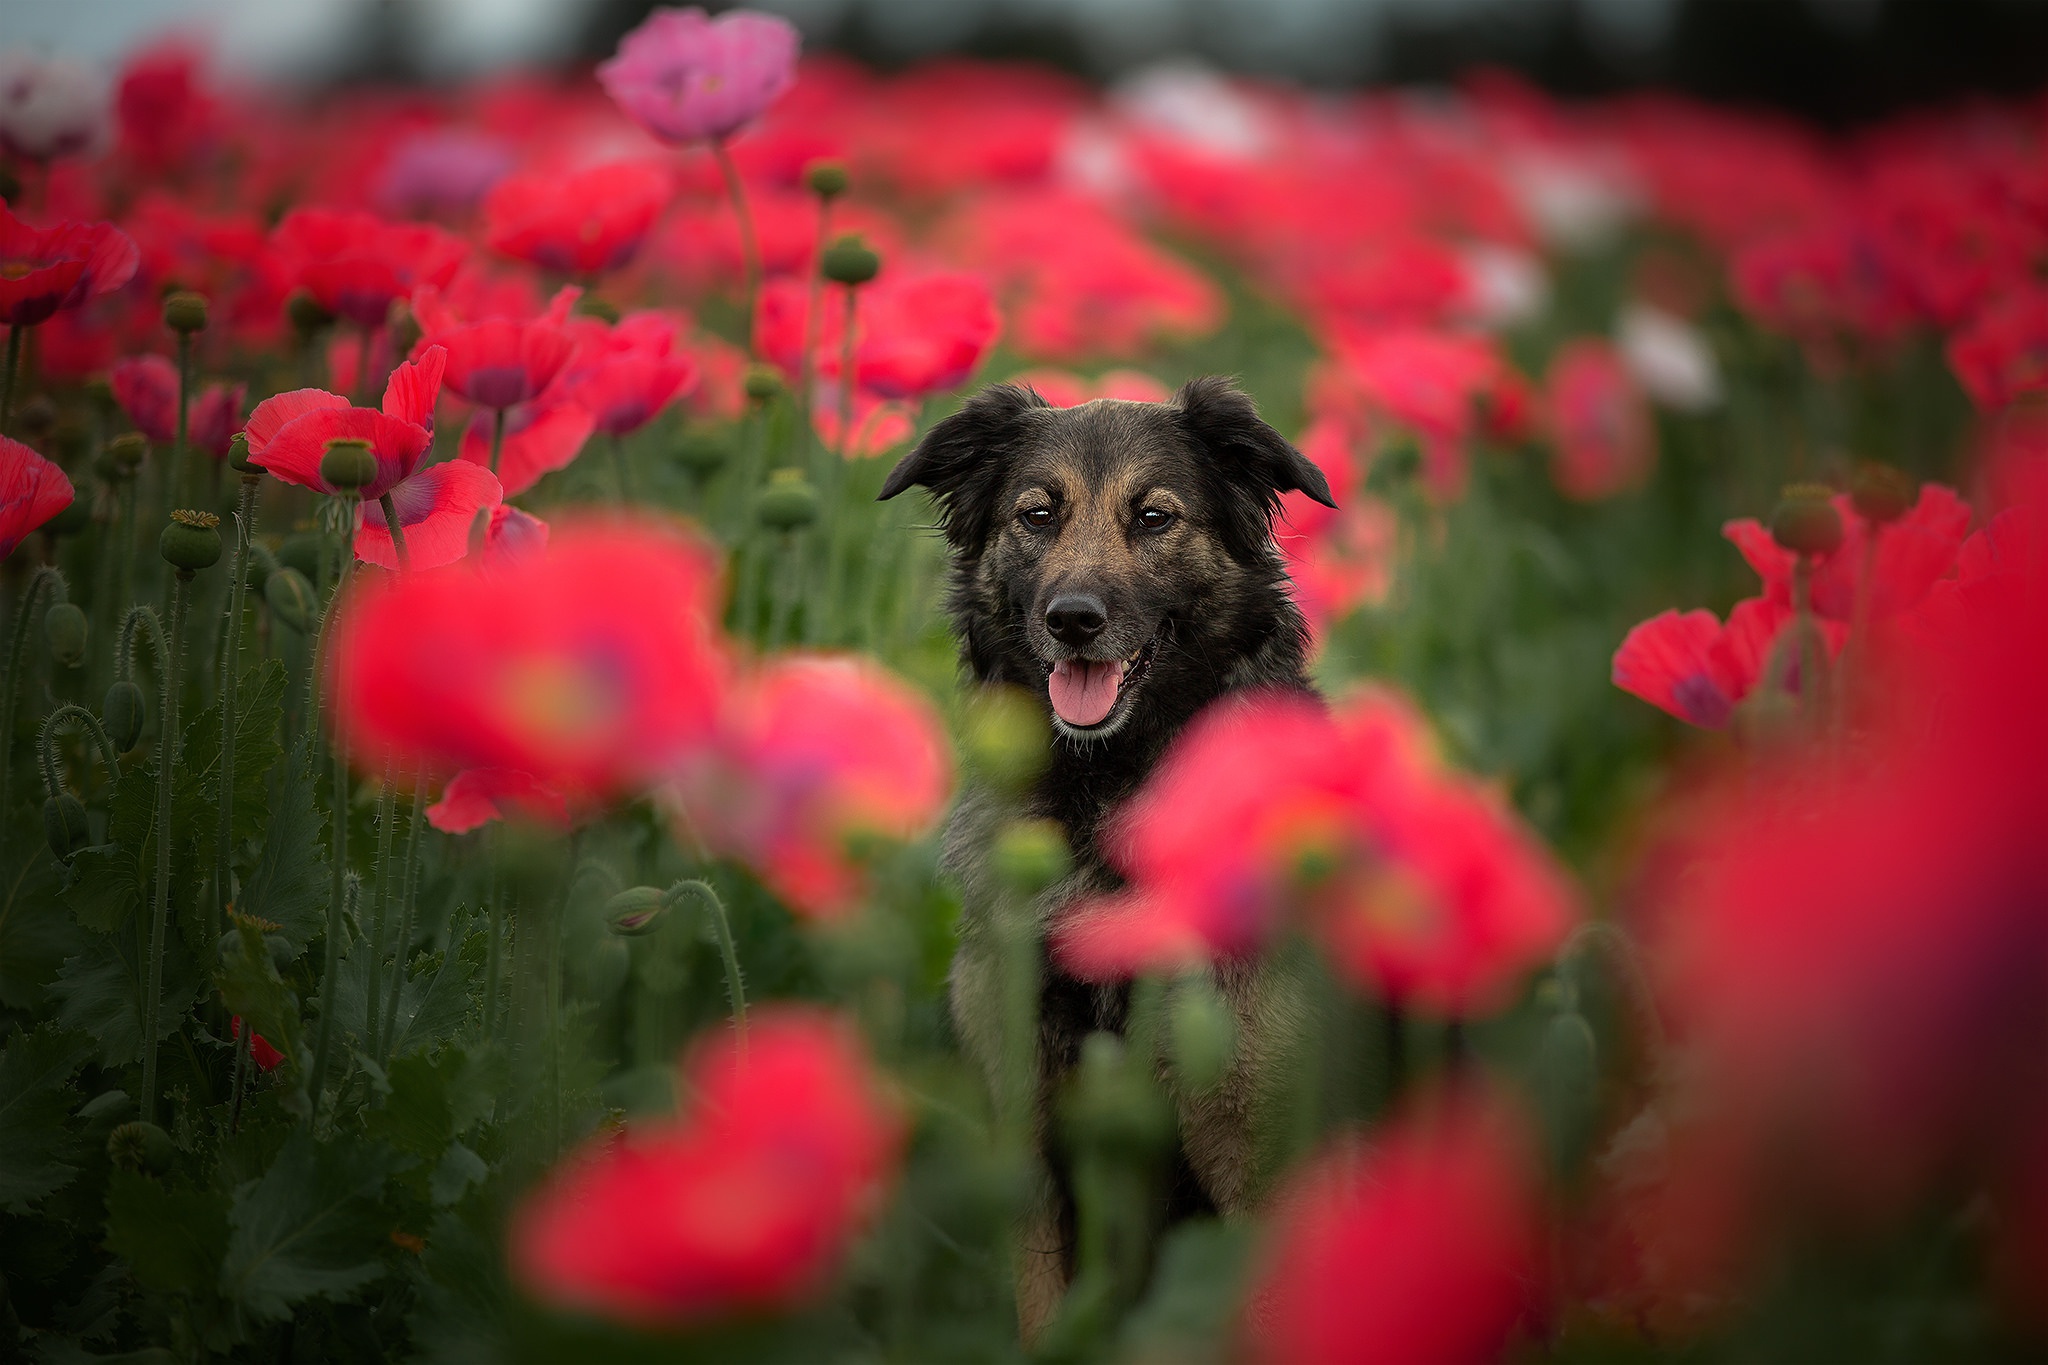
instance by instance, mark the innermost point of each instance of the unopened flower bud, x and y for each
(1031, 855)
(826, 179)
(762, 382)
(238, 455)
(64, 825)
(1806, 521)
(305, 313)
(401, 328)
(301, 552)
(788, 503)
(64, 628)
(185, 312)
(635, 911)
(122, 713)
(1204, 1035)
(1006, 737)
(141, 1147)
(702, 454)
(591, 306)
(348, 464)
(849, 261)
(127, 450)
(1880, 493)
(289, 595)
(1568, 1070)
(191, 542)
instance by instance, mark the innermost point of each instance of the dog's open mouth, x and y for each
(1085, 692)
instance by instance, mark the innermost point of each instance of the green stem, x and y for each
(750, 249)
(230, 677)
(408, 894)
(554, 1000)
(497, 437)
(387, 814)
(46, 744)
(806, 367)
(15, 332)
(846, 346)
(181, 452)
(242, 1064)
(160, 915)
(45, 576)
(398, 548)
(619, 467)
(495, 895)
(735, 982)
(338, 821)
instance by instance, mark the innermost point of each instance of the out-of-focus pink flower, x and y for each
(32, 490)
(1912, 553)
(685, 77)
(496, 361)
(355, 263)
(1699, 670)
(1422, 1244)
(49, 107)
(920, 335)
(1605, 439)
(1064, 389)
(814, 752)
(476, 796)
(2001, 355)
(45, 270)
(582, 223)
(746, 1204)
(625, 374)
(1339, 558)
(879, 426)
(147, 389)
(1436, 384)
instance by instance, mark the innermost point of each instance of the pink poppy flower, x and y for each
(1605, 439)
(32, 490)
(539, 438)
(626, 374)
(46, 270)
(685, 77)
(146, 387)
(494, 361)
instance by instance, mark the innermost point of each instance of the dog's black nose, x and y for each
(1075, 619)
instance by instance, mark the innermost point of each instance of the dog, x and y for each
(1117, 560)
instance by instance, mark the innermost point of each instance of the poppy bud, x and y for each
(71, 520)
(141, 1147)
(185, 312)
(191, 542)
(36, 420)
(289, 595)
(64, 825)
(849, 261)
(64, 628)
(238, 454)
(1204, 1035)
(788, 503)
(591, 306)
(301, 552)
(109, 469)
(1568, 1062)
(702, 454)
(1881, 493)
(122, 714)
(128, 449)
(1006, 736)
(401, 327)
(1031, 855)
(635, 911)
(1806, 521)
(762, 383)
(305, 313)
(826, 179)
(348, 463)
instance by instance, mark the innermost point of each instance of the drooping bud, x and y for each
(64, 627)
(591, 306)
(1806, 521)
(762, 382)
(826, 179)
(1880, 493)
(635, 911)
(788, 503)
(141, 1147)
(348, 464)
(1204, 1034)
(1006, 737)
(289, 595)
(64, 825)
(122, 714)
(1031, 855)
(238, 455)
(305, 313)
(185, 312)
(127, 450)
(401, 327)
(702, 454)
(849, 261)
(191, 542)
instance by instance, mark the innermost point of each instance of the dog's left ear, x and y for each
(1243, 448)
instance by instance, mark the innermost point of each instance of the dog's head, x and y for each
(1114, 549)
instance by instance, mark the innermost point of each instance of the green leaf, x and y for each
(251, 988)
(459, 1169)
(34, 937)
(259, 707)
(100, 992)
(173, 1240)
(310, 1228)
(105, 889)
(432, 1004)
(417, 1116)
(289, 886)
(35, 1100)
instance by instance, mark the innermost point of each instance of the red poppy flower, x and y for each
(44, 270)
(624, 375)
(1605, 439)
(878, 426)
(2002, 353)
(581, 223)
(1064, 389)
(595, 668)
(686, 78)
(1912, 553)
(1820, 282)
(702, 242)
(745, 1204)
(476, 796)
(1433, 383)
(261, 1052)
(514, 537)
(1339, 558)
(497, 362)
(1699, 670)
(32, 490)
(165, 113)
(922, 335)
(539, 439)
(814, 752)
(147, 389)
(1422, 1244)
(355, 263)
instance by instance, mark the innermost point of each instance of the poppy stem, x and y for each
(338, 831)
(230, 677)
(1397, 1051)
(14, 332)
(497, 437)
(398, 547)
(387, 814)
(806, 366)
(241, 1077)
(495, 896)
(180, 475)
(750, 249)
(408, 888)
(846, 376)
(707, 896)
(46, 576)
(166, 757)
(620, 468)
(46, 745)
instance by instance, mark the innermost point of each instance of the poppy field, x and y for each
(474, 748)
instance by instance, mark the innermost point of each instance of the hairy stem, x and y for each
(735, 982)
(338, 852)
(160, 911)
(45, 578)
(497, 437)
(230, 678)
(408, 892)
(387, 814)
(46, 744)
(181, 451)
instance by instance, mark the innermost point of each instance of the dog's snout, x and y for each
(1075, 618)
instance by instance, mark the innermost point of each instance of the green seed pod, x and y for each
(1568, 1067)
(348, 464)
(762, 382)
(71, 520)
(591, 306)
(401, 327)
(788, 503)
(238, 455)
(1031, 855)
(826, 179)
(1806, 521)
(191, 542)
(1006, 737)
(289, 595)
(122, 714)
(142, 1147)
(64, 628)
(702, 454)
(128, 449)
(64, 825)
(1881, 494)
(635, 911)
(1203, 1032)
(849, 261)
(185, 312)
(305, 313)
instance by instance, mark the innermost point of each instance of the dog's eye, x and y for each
(1037, 518)
(1154, 519)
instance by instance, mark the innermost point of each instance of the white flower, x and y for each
(1504, 287)
(49, 107)
(1669, 358)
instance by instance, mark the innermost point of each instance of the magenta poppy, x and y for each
(355, 263)
(685, 77)
(32, 490)
(146, 387)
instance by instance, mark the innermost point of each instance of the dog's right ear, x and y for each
(962, 460)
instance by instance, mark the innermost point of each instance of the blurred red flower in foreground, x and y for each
(2002, 354)
(815, 752)
(32, 490)
(146, 387)
(1422, 886)
(1699, 670)
(684, 77)
(47, 269)
(745, 1204)
(1606, 440)
(354, 263)
(582, 223)
(1912, 553)
(1422, 1244)
(593, 668)
(496, 361)
(476, 796)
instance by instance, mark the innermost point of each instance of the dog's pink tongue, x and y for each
(1083, 690)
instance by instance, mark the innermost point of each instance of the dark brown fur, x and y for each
(1204, 602)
